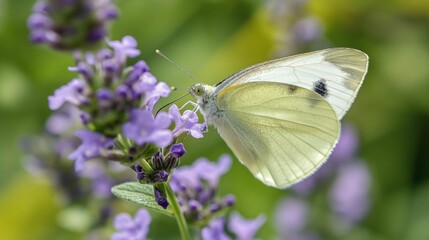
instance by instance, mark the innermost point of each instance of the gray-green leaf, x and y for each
(141, 194)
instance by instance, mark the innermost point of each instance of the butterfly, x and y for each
(281, 118)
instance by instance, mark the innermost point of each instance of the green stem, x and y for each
(184, 231)
(145, 165)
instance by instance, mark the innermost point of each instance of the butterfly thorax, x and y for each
(206, 100)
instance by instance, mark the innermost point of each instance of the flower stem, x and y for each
(184, 231)
(145, 165)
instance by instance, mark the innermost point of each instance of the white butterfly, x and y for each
(281, 117)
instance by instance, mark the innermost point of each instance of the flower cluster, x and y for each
(72, 24)
(347, 180)
(107, 90)
(116, 104)
(195, 187)
(47, 155)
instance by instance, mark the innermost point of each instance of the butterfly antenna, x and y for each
(184, 95)
(177, 65)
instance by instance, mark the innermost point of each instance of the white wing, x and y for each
(281, 132)
(335, 73)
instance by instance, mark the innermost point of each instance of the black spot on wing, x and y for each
(320, 87)
(291, 89)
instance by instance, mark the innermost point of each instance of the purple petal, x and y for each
(245, 229)
(73, 93)
(211, 171)
(161, 138)
(349, 194)
(214, 231)
(177, 150)
(291, 216)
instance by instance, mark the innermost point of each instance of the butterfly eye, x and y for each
(198, 90)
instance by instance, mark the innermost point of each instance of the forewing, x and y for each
(336, 74)
(281, 132)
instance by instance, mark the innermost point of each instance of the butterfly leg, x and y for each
(189, 102)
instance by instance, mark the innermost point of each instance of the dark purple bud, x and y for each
(157, 161)
(109, 66)
(206, 195)
(214, 208)
(96, 34)
(141, 176)
(194, 205)
(138, 168)
(104, 94)
(109, 13)
(228, 200)
(160, 198)
(177, 150)
(138, 69)
(170, 162)
(85, 118)
(132, 151)
(160, 176)
(172, 158)
(123, 92)
(84, 69)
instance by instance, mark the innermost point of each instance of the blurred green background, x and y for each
(212, 39)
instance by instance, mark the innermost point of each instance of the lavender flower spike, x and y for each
(144, 128)
(245, 229)
(132, 229)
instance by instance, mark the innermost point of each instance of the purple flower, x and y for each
(211, 172)
(177, 150)
(138, 69)
(144, 128)
(347, 145)
(349, 194)
(150, 90)
(198, 183)
(291, 216)
(215, 230)
(132, 229)
(125, 48)
(245, 229)
(73, 92)
(188, 122)
(202, 169)
(92, 144)
(307, 30)
(68, 25)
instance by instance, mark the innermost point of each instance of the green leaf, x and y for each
(141, 194)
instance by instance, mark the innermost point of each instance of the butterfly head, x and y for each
(197, 90)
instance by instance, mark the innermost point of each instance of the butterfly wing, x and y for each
(336, 74)
(281, 132)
